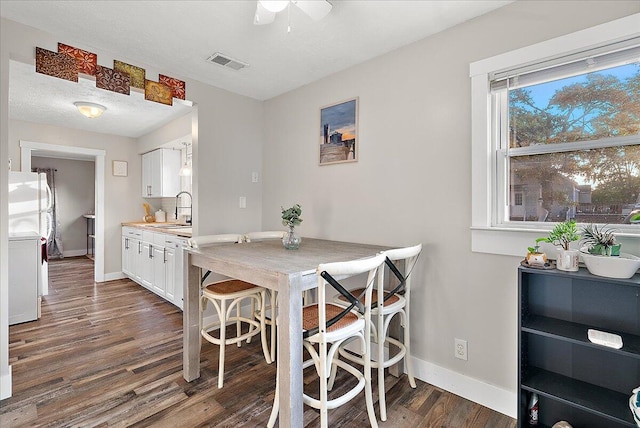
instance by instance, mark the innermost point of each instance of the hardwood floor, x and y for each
(110, 354)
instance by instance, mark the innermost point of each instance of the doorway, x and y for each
(29, 149)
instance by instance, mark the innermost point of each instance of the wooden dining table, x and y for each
(268, 264)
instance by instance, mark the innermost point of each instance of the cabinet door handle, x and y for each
(139, 248)
(150, 251)
(126, 243)
(164, 254)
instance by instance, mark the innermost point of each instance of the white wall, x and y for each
(412, 183)
(75, 196)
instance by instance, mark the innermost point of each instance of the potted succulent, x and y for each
(562, 235)
(534, 256)
(600, 246)
(291, 219)
(600, 240)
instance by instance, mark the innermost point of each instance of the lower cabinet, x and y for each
(154, 260)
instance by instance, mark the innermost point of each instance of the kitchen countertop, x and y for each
(170, 228)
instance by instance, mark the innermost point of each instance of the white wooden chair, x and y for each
(271, 295)
(224, 296)
(326, 326)
(386, 304)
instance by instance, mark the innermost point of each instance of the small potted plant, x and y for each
(562, 235)
(534, 256)
(600, 246)
(600, 240)
(291, 219)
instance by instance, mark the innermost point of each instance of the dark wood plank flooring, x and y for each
(110, 354)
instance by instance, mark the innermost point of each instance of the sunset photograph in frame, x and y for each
(338, 132)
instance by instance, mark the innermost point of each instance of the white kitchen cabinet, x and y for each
(159, 264)
(146, 262)
(131, 252)
(161, 173)
(154, 260)
(173, 269)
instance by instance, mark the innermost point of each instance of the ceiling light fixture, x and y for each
(90, 110)
(274, 6)
(185, 171)
(266, 10)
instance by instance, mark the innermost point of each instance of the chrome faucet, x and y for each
(190, 205)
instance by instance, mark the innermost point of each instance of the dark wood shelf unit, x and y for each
(583, 383)
(593, 399)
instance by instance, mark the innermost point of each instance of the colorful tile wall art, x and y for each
(158, 92)
(87, 62)
(69, 61)
(137, 74)
(56, 64)
(112, 80)
(177, 86)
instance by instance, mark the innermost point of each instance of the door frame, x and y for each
(30, 148)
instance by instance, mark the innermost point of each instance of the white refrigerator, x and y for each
(29, 229)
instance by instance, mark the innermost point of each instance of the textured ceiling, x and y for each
(176, 37)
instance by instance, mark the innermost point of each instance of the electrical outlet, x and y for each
(460, 350)
(254, 177)
(242, 203)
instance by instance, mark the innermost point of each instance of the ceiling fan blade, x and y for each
(316, 9)
(263, 16)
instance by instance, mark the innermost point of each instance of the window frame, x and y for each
(488, 235)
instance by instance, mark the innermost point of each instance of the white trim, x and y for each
(513, 240)
(27, 148)
(114, 275)
(74, 253)
(491, 396)
(5, 384)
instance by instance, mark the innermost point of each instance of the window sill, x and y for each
(512, 241)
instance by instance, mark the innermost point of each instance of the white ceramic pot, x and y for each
(536, 259)
(622, 266)
(568, 260)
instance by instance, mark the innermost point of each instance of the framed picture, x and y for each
(120, 168)
(339, 132)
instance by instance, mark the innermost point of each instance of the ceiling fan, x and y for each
(266, 10)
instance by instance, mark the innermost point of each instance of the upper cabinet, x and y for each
(160, 173)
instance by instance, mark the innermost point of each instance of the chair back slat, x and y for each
(259, 236)
(345, 269)
(196, 242)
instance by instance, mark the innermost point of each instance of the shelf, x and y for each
(590, 398)
(577, 333)
(583, 274)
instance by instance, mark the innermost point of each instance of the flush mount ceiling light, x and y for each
(266, 9)
(90, 110)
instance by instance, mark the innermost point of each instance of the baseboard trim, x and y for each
(5, 384)
(113, 276)
(74, 253)
(490, 396)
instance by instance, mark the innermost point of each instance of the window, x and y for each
(517, 198)
(556, 135)
(571, 142)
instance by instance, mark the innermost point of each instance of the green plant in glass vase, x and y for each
(291, 219)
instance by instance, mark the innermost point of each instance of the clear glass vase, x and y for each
(290, 240)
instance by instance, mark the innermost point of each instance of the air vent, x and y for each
(225, 61)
